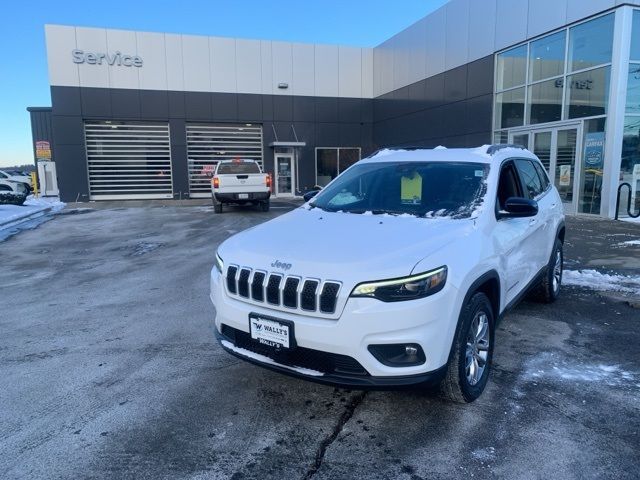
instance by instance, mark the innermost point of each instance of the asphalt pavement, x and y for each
(109, 369)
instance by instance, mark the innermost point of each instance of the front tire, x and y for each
(548, 290)
(472, 352)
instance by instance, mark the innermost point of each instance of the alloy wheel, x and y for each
(557, 271)
(477, 351)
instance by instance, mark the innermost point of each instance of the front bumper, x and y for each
(429, 322)
(345, 380)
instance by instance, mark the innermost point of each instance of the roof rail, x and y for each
(501, 146)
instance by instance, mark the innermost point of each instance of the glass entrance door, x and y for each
(565, 166)
(557, 148)
(284, 176)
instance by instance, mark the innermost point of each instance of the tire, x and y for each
(217, 207)
(459, 385)
(548, 290)
(264, 206)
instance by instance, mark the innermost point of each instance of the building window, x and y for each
(545, 101)
(547, 57)
(588, 93)
(591, 43)
(592, 171)
(510, 108)
(635, 37)
(564, 75)
(633, 89)
(512, 68)
(331, 162)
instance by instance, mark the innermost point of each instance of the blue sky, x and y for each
(23, 70)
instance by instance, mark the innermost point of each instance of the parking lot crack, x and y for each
(350, 408)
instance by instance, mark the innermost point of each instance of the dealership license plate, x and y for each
(243, 196)
(270, 332)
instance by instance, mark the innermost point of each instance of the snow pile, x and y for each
(630, 220)
(602, 281)
(53, 202)
(629, 242)
(32, 213)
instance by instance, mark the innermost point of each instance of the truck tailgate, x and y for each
(247, 182)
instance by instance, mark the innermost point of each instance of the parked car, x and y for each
(12, 192)
(397, 272)
(240, 182)
(23, 179)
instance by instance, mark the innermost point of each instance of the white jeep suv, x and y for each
(397, 272)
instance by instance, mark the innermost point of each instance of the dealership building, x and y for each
(141, 115)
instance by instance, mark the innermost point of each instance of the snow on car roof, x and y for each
(442, 154)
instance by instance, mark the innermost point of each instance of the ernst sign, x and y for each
(117, 58)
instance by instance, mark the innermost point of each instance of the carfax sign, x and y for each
(594, 150)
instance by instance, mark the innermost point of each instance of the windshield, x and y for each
(424, 189)
(238, 168)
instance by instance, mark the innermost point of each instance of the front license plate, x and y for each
(270, 332)
(243, 196)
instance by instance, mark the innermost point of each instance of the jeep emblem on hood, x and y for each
(279, 264)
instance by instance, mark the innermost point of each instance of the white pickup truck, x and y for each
(240, 181)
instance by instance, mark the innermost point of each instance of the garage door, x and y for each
(207, 144)
(128, 160)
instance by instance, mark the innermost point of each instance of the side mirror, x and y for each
(517, 207)
(310, 194)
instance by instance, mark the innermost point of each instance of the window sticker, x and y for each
(479, 173)
(411, 189)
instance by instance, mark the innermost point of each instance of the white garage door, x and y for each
(207, 144)
(128, 160)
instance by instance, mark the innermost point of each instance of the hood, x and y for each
(342, 246)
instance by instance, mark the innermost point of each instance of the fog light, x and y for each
(398, 355)
(410, 351)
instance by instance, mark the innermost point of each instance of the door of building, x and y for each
(285, 175)
(558, 149)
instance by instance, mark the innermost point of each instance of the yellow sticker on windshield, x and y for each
(411, 189)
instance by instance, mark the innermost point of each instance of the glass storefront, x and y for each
(552, 96)
(630, 161)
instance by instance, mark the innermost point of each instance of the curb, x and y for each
(24, 218)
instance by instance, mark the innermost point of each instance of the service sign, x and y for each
(43, 150)
(594, 150)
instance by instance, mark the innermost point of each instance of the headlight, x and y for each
(219, 263)
(407, 288)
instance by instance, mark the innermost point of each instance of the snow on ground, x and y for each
(602, 281)
(32, 205)
(32, 213)
(630, 220)
(629, 242)
(550, 366)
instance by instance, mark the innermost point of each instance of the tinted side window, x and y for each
(530, 179)
(543, 175)
(5, 188)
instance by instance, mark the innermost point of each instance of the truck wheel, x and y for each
(472, 352)
(264, 206)
(548, 289)
(217, 207)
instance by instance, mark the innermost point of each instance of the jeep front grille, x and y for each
(289, 292)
